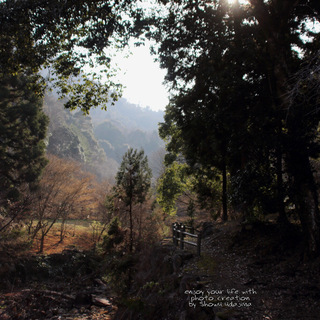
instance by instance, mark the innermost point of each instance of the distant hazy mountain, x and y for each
(70, 135)
(129, 116)
(100, 140)
(127, 125)
(116, 140)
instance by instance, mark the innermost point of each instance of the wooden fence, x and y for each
(179, 234)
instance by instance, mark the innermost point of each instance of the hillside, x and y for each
(127, 125)
(115, 139)
(129, 116)
(70, 135)
(100, 140)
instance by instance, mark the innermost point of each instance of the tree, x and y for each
(212, 114)
(61, 37)
(44, 42)
(23, 128)
(133, 182)
(231, 67)
(59, 193)
(172, 184)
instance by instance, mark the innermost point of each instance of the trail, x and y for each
(252, 264)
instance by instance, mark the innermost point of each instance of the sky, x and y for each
(142, 78)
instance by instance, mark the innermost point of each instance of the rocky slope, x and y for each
(70, 135)
(100, 140)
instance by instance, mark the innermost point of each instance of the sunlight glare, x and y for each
(142, 78)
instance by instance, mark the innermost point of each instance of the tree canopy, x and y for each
(244, 79)
(55, 40)
(22, 130)
(235, 72)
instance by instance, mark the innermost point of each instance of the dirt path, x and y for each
(245, 274)
(268, 276)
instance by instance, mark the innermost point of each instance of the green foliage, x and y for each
(70, 135)
(191, 213)
(133, 182)
(134, 177)
(23, 128)
(171, 134)
(114, 237)
(118, 271)
(96, 228)
(62, 37)
(171, 185)
(208, 187)
(133, 304)
(242, 101)
(210, 121)
(150, 285)
(200, 186)
(254, 189)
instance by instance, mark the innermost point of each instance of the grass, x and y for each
(78, 235)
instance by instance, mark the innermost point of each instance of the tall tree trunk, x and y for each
(224, 191)
(306, 196)
(309, 217)
(131, 227)
(140, 221)
(280, 52)
(42, 242)
(283, 219)
(62, 230)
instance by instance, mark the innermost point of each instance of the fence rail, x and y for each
(179, 233)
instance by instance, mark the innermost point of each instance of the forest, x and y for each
(90, 187)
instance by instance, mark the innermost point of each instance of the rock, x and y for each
(224, 315)
(179, 259)
(101, 302)
(61, 311)
(247, 226)
(185, 255)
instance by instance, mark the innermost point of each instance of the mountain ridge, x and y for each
(99, 140)
(128, 115)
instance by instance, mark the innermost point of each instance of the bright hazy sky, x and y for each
(142, 78)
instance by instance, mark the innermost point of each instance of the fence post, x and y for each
(174, 235)
(182, 230)
(177, 234)
(199, 244)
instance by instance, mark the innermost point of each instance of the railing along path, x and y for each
(179, 233)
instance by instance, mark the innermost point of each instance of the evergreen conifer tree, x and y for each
(133, 182)
(22, 132)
